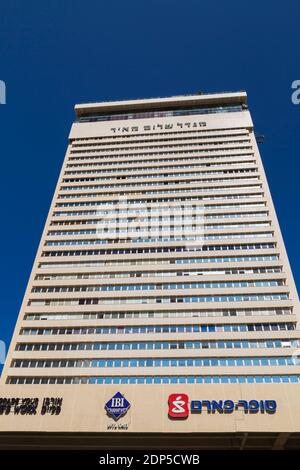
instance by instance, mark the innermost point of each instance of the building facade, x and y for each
(161, 308)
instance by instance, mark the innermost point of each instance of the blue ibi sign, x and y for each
(117, 406)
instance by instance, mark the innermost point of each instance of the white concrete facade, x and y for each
(161, 269)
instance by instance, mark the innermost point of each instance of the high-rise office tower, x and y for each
(161, 298)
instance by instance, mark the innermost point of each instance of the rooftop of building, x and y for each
(198, 99)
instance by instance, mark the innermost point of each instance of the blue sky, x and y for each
(55, 54)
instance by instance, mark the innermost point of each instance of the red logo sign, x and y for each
(178, 405)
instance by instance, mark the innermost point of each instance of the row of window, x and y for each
(189, 147)
(160, 141)
(190, 379)
(194, 134)
(202, 198)
(189, 186)
(195, 182)
(137, 262)
(177, 200)
(174, 143)
(128, 192)
(113, 216)
(159, 300)
(110, 156)
(156, 345)
(116, 211)
(163, 136)
(159, 192)
(135, 274)
(136, 172)
(162, 214)
(175, 175)
(172, 187)
(134, 225)
(195, 190)
(167, 286)
(96, 155)
(155, 114)
(147, 151)
(160, 249)
(183, 227)
(143, 329)
(80, 154)
(160, 238)
(139, 172)
(187, 132)
(58, 233)
(173, 213)
(126, 189)
(181, 142)
(204, 156)
(137, 169)
(159, 314)
(157, 362)
(214, 160)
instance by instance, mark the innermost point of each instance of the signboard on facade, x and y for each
(180, 406)
(117, 406)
